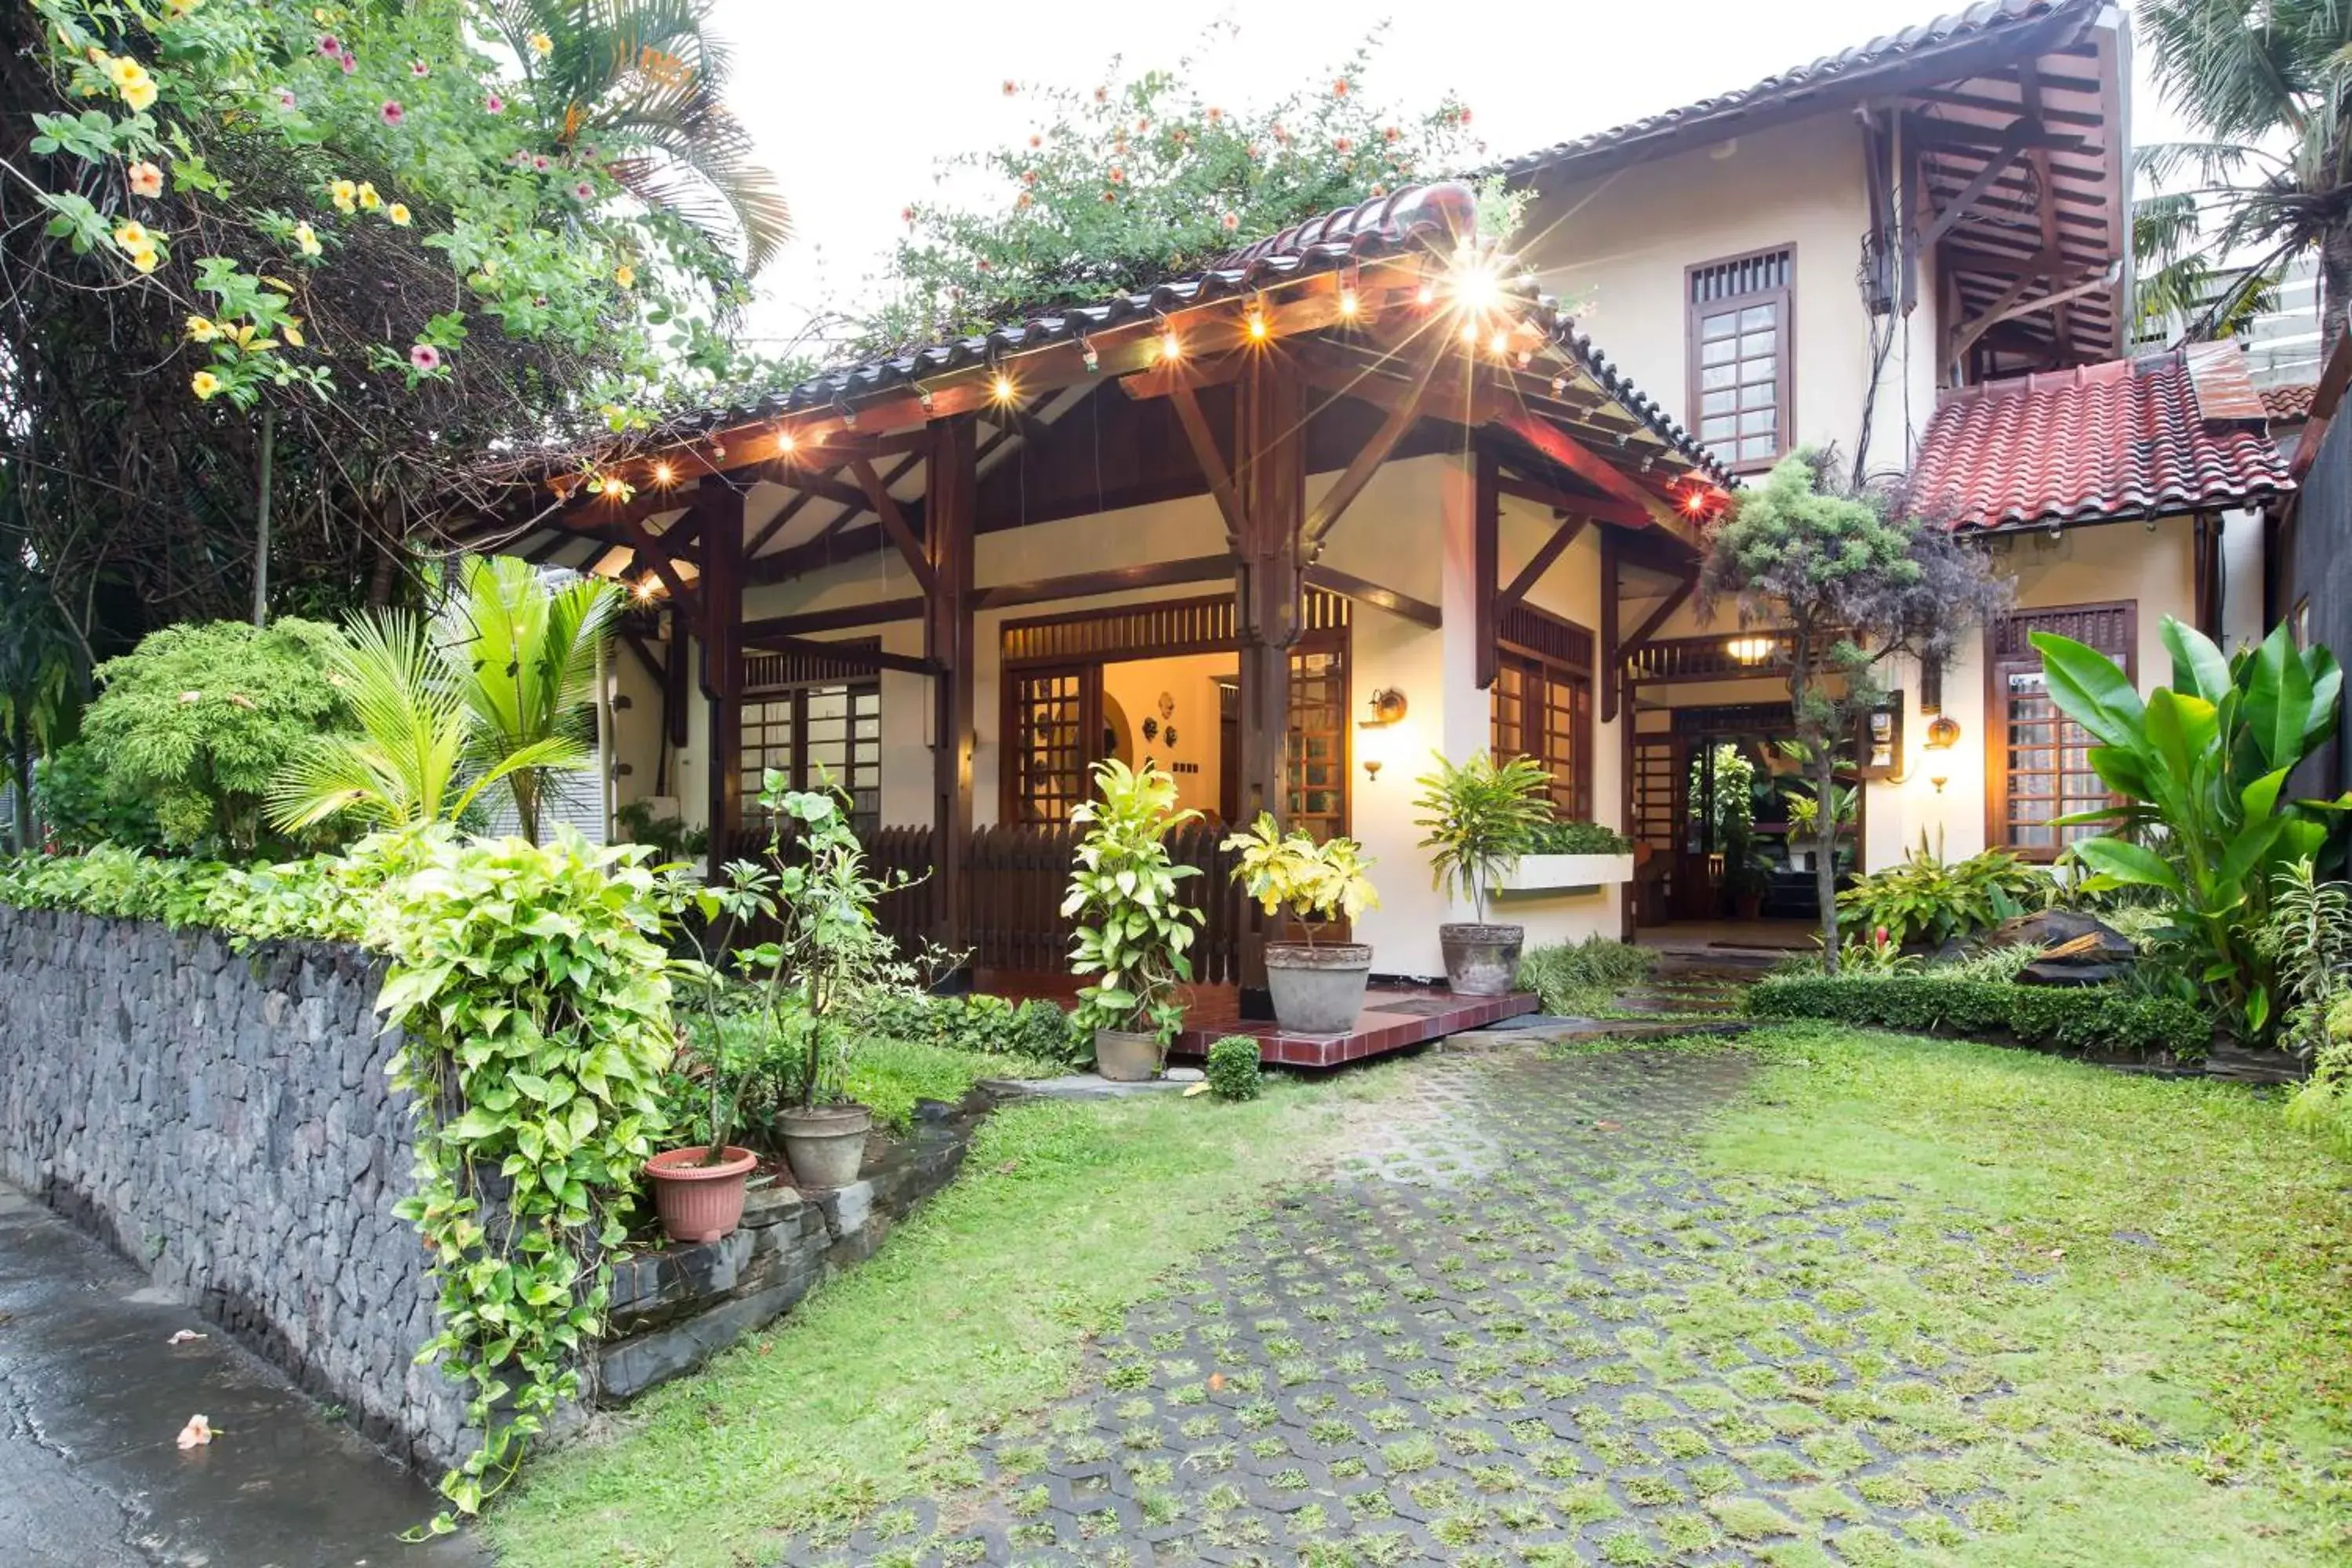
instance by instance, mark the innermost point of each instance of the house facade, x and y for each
(1364, 492)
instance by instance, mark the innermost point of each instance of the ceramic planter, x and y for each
(697, 1201)
(825, 1143)
(1317, 990)
(1125, 1057)
(1540, 873)
(1480, 960)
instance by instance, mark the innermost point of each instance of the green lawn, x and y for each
(2160, 1274)
(974, 1312)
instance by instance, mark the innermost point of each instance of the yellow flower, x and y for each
(306, 239)
(134, 237)
(146, 260)
(540, 44)
(625, 276)
(140, 95)
(204, 384)
(344, 194)
(398, 212)
(243, 333)
(180, 9)
(291, 331)
(123, 70)
(368, 198)
(201, 330)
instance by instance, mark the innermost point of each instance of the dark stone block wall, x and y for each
(223, 1120)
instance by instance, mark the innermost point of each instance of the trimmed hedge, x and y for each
(2097, 1020)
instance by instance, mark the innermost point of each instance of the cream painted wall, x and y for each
(1615, 250)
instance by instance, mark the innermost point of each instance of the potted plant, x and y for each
(1481, 816)
(826, 963)
(1131, 931)
(699, 1190)
(1805, 820)
(1317, 990)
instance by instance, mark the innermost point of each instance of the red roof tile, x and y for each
(2178, 431)
(2289, 404)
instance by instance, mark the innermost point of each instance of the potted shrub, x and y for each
(1317, 989)
(1131, 931)
(699, 1190)
(1805, 823)
(1481, 816)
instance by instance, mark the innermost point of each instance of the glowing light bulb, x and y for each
(1000, 387)
(1428, 293)
(1470, 334)
(665, 475)
(1500, 343)
(645, 588)
(1257, 326)
(1171, 347)
(786, 441)
(1694, 503)
(1347, 306)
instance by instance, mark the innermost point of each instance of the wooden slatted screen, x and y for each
(2037, 761)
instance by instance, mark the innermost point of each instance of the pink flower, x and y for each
(425, 356)
(538, 163)
(330, 45)
(350, 62)
(1341, 145)
(392, 111)
(285, 97)
(1231, 220)
(146, 180)
(1011, 87)
(1879, 936)
(419, 69)
(495, 104)
(583, 191)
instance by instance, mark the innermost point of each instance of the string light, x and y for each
(1470, 334)
(1500, 343)
(1087, 352)
(1256, 325)
(665, 475)
(1560, 387)
(786, 441)
(1694, 503)
(1347, 306)
(1171, 347)
(1428, 294)
(1000, 387)
(645, 589)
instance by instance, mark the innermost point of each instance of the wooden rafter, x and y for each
(1203, 442)
(894, 523)
(1350, 484)
(1600, 508)
(1537, 564)
(1657, 617)
(1557, 447)
(847, 653)
(648, 549)
(2012, 143)
(1421, 612)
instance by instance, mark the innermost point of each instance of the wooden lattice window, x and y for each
(2037, 761)
(1318, 762)
(1541, 703)
(1047, 727)
(1742, 383)
(831, 732)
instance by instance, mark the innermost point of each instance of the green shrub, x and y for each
(1567, 837)
(196, 721)
(1577, 977)
(1234, 1067)
(990, 1025)
(2093, 1019)
(80, 811)
(1926, 899)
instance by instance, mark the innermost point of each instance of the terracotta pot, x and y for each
(825, 1143)
(1125, 1057)
(699, 1202)
(1480, 960)
(1317, 990)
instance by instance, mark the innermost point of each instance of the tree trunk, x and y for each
(2335, 283)
(1825, 858)
(22, 764)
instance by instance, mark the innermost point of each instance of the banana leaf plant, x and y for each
(2201, 767)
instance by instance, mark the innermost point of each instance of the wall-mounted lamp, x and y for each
(1944, 733)
(1751, 649)
(1388, 706)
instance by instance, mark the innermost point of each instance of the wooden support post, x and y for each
(1270, 485)
(721, 603)
(953, 487)
(1486, 563)
(1609, 682)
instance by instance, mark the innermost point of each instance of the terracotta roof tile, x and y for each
(2173, 432)
(2287, 405)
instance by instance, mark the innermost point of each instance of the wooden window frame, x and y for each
(1539, 670)
(1785, 381)
(797, 694)
(1996, 712)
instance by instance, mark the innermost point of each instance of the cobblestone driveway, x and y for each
(1515, 1329)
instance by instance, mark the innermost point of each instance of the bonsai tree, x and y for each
(1315, 882)
(1132, 931)
(1482, 816)
(1858, 582)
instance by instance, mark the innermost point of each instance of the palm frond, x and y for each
(404, 765)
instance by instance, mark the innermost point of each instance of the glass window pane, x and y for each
(1759, 395)
(1715, 375)
(1717, 429)
(1759, 345)
(1715, 403)
(1757, 316)
(1723, 326)
(1718, 353)
(1760, 423)
(1756, 448)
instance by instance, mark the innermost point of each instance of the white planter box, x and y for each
(1564, 873)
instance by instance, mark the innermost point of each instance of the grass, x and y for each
(888, 1077)
(975, 1316)
(2159, 1272)
(1582, 979)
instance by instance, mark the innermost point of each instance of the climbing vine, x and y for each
(536, 1002)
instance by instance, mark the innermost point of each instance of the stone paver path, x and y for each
(1515, 1327)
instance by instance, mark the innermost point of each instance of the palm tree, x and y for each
(2273, 184)
(643, 82)
(521, 657)
(408, 765)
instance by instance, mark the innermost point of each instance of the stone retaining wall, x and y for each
(223, 1120)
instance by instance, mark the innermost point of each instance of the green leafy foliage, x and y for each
(80, 810)
(534, 994)
(1234, 1067)
(1580, 978)
(1316, 883)
(196, 721)
(1130, 929)
(1565, 835)
(1929, 899)
(1482, 816)
(2201, 766)
(979, 1023)
(2093, 1019)
(1120, 187)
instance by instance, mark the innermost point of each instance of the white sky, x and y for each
(853, 106)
